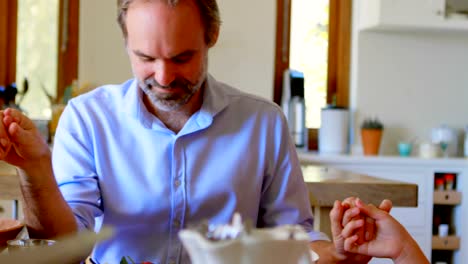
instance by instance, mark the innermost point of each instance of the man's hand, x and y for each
(343, 213)
(5, 143)
(26, 148)
(326, 251)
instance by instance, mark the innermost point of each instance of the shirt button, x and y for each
(176, 223)
(177, 183)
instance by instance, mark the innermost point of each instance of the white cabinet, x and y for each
(417, 220)
(403, 15)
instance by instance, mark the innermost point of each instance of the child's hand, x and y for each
(389, 234)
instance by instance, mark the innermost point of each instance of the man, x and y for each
(166, 150)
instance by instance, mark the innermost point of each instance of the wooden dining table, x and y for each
(326, 185)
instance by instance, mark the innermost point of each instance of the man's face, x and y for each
(167, 51)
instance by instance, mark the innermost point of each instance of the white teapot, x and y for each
(238, 244)
(447, 139)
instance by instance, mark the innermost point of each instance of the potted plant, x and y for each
(371, 134)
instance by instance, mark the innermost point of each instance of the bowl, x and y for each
(9, 229)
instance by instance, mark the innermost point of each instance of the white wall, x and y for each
(102, 56)
(243, 56)
(413, 82)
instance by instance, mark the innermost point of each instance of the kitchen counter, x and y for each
(327, 185)
(308, 157)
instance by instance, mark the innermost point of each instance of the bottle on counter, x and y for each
(293, 105)
(297, 120)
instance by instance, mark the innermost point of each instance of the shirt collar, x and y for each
(136, 108)
(214, 97)
(215, 100)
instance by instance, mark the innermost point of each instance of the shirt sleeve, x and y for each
(285, 197)
(74, 167)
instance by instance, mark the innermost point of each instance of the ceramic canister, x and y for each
(333, 132)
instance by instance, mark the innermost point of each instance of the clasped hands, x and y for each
(362, 231)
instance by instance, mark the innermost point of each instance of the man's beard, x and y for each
(172, 101)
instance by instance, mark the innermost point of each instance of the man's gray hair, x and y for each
(209, 13)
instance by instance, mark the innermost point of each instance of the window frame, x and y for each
(339, 50)
(8, 18)
(68, 39)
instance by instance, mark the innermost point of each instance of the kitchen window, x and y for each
(314, 37)
(38, 41)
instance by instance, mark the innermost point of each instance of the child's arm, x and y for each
(391, 240)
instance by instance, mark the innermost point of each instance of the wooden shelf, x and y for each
(447, 197)
(445, 243)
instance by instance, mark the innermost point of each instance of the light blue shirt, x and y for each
(116, 162)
